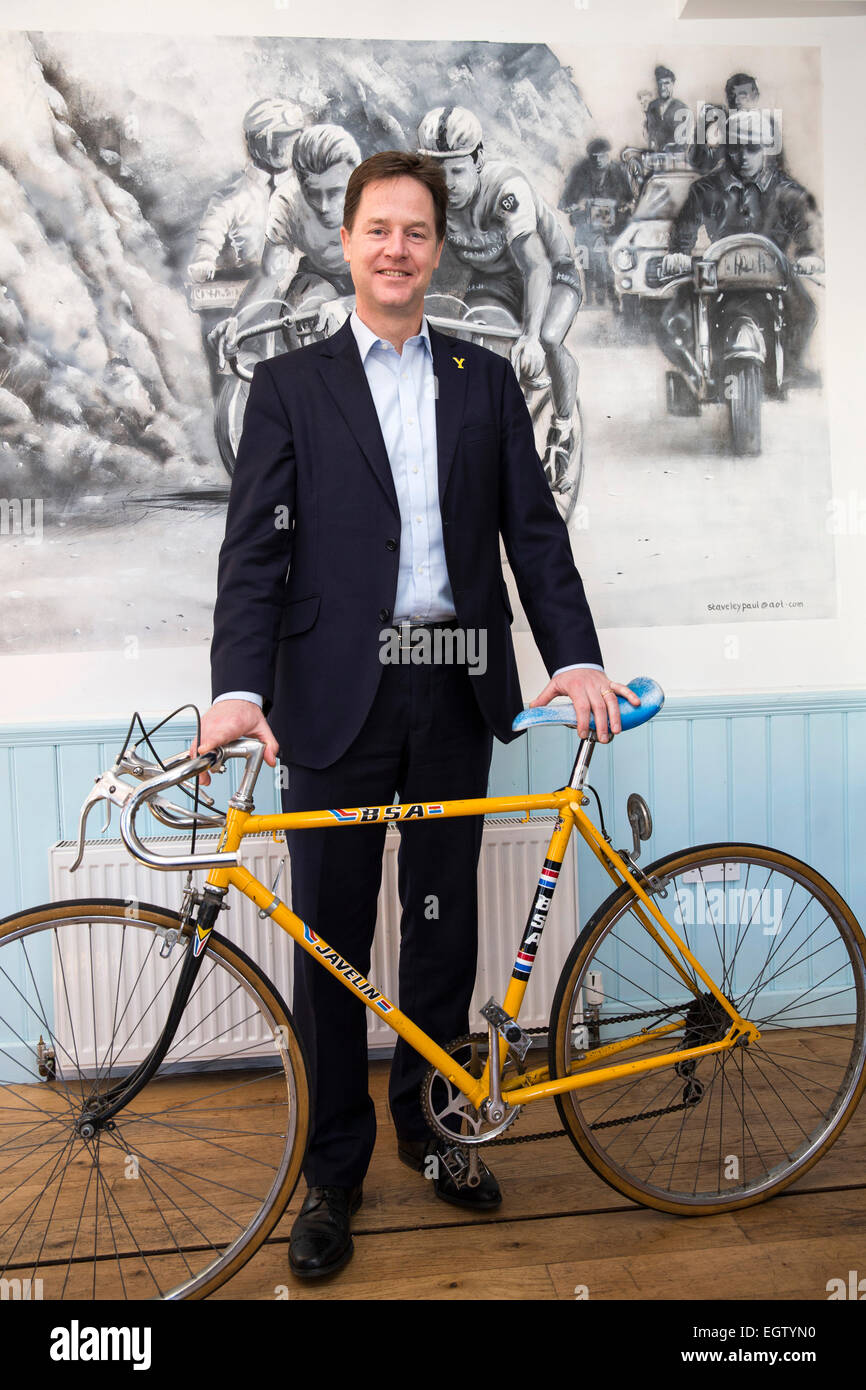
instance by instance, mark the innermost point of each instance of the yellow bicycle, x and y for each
(706, 1040)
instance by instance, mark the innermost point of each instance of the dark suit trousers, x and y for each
(424, 740)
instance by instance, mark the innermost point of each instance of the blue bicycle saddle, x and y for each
(651, 695)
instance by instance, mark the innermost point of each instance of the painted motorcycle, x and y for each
(728, 334)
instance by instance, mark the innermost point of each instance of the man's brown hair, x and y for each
(396, 164)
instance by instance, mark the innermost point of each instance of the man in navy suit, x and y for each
(376, 472)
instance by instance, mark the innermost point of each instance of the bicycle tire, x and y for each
(228, 420)
(779, 941)
(745, 400)
(181, 1191)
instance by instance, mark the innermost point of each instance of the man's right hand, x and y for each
(221, 339)
(231, 719)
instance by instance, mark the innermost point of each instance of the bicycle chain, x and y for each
(601, 1124)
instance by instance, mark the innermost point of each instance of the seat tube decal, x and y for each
(537, 917)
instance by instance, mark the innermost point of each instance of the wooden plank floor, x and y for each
(560, 1228)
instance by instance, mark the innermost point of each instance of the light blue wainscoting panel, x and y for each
(787, 771)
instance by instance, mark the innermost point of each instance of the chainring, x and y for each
(447, 1110)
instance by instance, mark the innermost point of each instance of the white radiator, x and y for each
(512, 854)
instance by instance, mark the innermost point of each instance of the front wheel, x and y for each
(175, 1193)
(229, 419)
(731, 1128)
(744, 390)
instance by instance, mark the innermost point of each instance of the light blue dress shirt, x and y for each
(403, 388)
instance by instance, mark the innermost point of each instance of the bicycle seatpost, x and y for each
(585, 750)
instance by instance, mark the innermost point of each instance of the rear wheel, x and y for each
(729, 1129)
(175, 1194)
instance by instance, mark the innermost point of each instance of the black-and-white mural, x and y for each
(640, 232)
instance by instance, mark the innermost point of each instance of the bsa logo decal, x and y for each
(368, 815)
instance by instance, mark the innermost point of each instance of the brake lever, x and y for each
(110, 789)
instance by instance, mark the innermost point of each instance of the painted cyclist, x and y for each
(303, 221)
(517, 254)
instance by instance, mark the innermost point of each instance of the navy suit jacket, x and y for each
(301, 603)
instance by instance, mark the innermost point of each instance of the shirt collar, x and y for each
(765, 178)
(762, 182)
(367, 339)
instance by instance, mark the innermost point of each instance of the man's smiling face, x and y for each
(392, 249)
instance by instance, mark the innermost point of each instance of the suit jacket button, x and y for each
(384, 615)
(391, 545)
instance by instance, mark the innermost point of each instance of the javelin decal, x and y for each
(310, 935)
(384, 1004)
(343, 815)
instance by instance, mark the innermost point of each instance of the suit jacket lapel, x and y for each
(343, 373)
(451, 372)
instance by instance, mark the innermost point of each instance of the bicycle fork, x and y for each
(99, 1114)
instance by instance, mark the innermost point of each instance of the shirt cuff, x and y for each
(240, 695)
(578, 666)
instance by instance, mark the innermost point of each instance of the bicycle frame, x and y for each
(568, 804)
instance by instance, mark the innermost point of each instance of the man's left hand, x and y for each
(592, 693)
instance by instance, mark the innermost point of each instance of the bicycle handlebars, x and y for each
(179, 768)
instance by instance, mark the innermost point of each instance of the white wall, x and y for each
(781, 656)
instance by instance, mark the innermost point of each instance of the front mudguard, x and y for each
(744, 341)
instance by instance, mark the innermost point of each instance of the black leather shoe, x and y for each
(321, 1242)
(448, 1181)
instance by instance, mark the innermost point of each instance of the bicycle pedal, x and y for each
(518, 1041)
(457, 1164)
